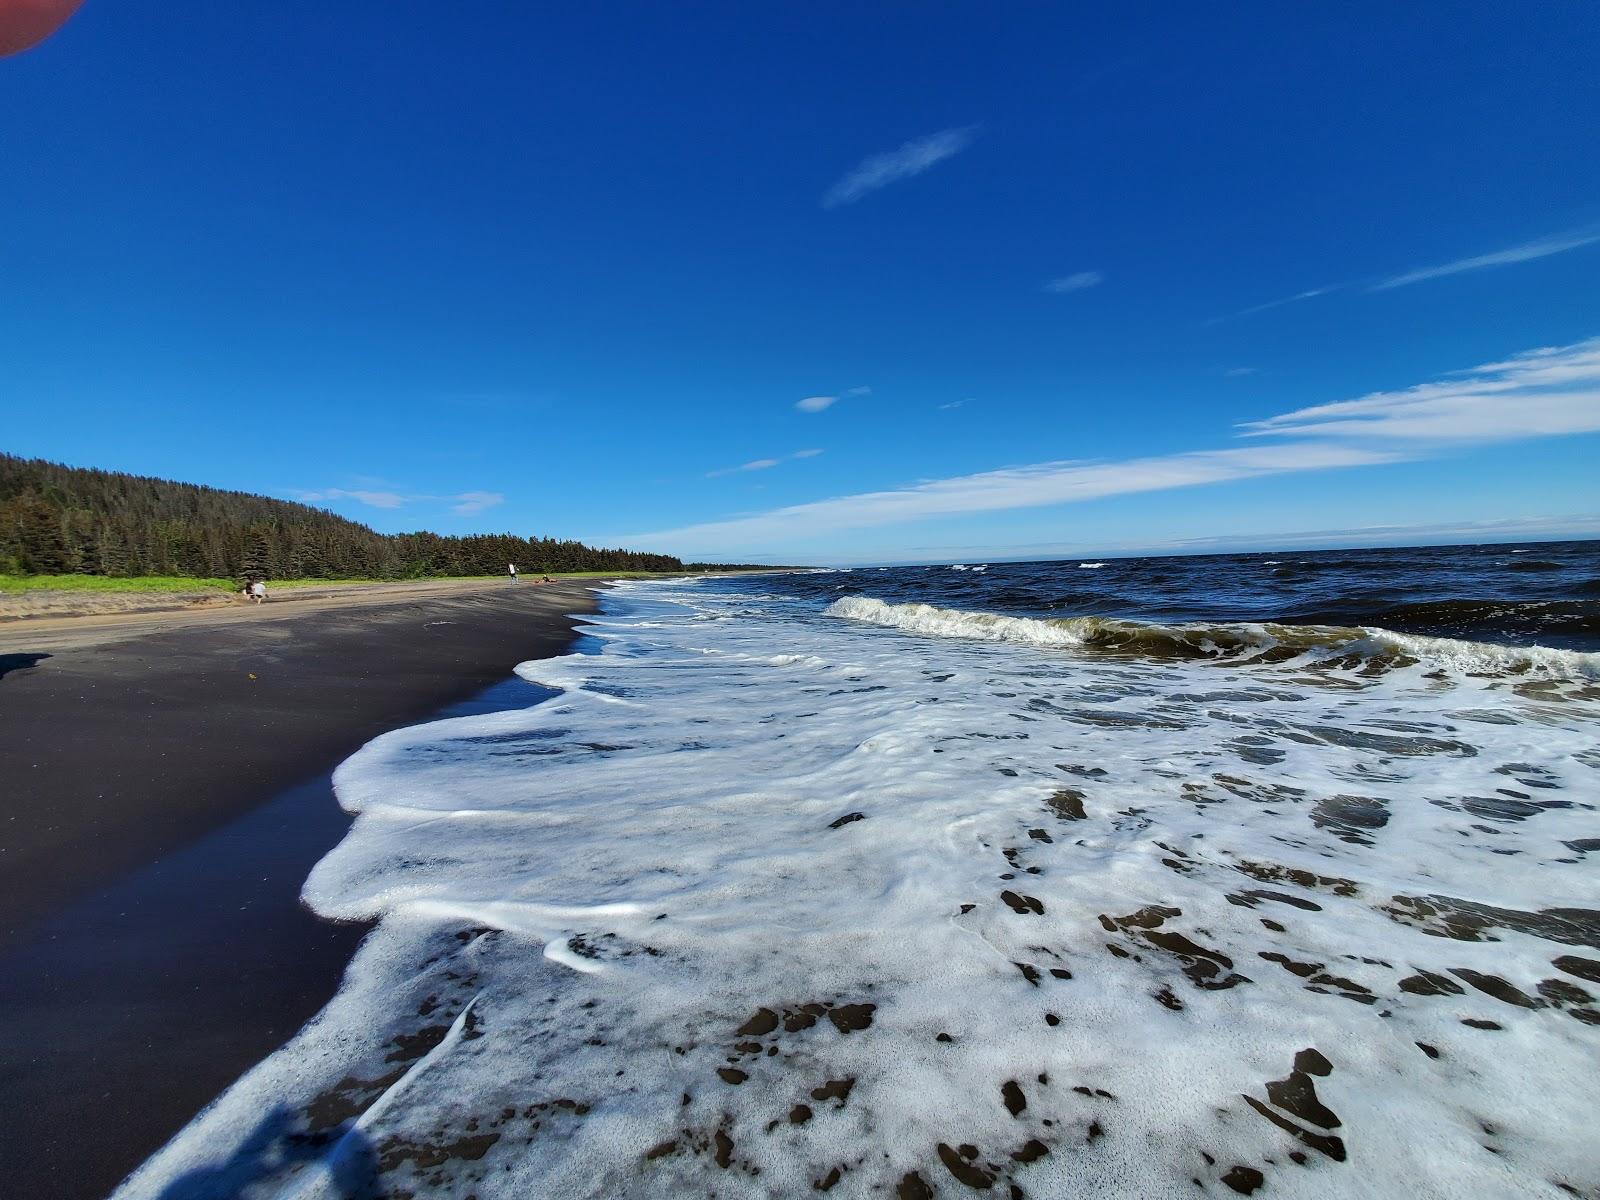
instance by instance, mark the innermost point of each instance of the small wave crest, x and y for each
(1264, 642)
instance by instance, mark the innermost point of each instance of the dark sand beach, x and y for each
(167, 790)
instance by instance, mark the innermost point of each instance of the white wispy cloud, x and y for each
(1555, 390)
(1009, 488)
(880, 170)
(371, 499)
(952, 404)
(467, 503)
(756, 464)
(815, 404)
(1309, 294)
(761, 464)
(1558, 243)
(1537, 394)
(463, 503)
(1241, 372)
(1076, 282)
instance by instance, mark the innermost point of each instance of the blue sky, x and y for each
(1066, 273)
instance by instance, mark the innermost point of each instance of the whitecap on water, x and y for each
(784, 904)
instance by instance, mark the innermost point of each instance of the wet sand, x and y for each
(161, 812)
(125, 737)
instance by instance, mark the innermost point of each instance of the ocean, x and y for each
(1144, 878)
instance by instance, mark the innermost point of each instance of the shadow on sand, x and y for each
(19, 662)
(273, 1150)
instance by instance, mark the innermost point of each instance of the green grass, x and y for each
(181, 583)
(103, 583)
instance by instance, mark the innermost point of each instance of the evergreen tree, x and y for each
(56, 519)
(258, 557)
(44, 545)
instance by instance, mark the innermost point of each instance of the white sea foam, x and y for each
(764, 902)
(1090, 566)
(947, 622)
(1235, 641)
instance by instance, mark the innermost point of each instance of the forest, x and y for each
(57, 520)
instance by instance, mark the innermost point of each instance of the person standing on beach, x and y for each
(511, 569)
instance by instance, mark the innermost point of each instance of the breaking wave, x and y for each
(1267, 642)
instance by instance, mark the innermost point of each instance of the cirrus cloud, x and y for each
(1558, 243)
(880, 170)
(1541, 393)
(816, 404)
(1554, 390)
(1075, 282)
(370, 499)
(475, 502)
(462, 503)
(1028, 486)
(760, 464)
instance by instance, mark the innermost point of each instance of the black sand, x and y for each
(159, 813)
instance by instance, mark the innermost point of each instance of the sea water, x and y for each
(1030, 881)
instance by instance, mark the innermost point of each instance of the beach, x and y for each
(923, 881)
(851, 602)
(898, 881)
(167, 791)
(135, 732)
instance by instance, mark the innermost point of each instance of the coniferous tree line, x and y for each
(57, 520)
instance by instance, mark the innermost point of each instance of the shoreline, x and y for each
(54, 612)
(167, 810)
(127, 612)
(133, 735)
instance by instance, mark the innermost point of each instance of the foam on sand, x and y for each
(770, 905)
